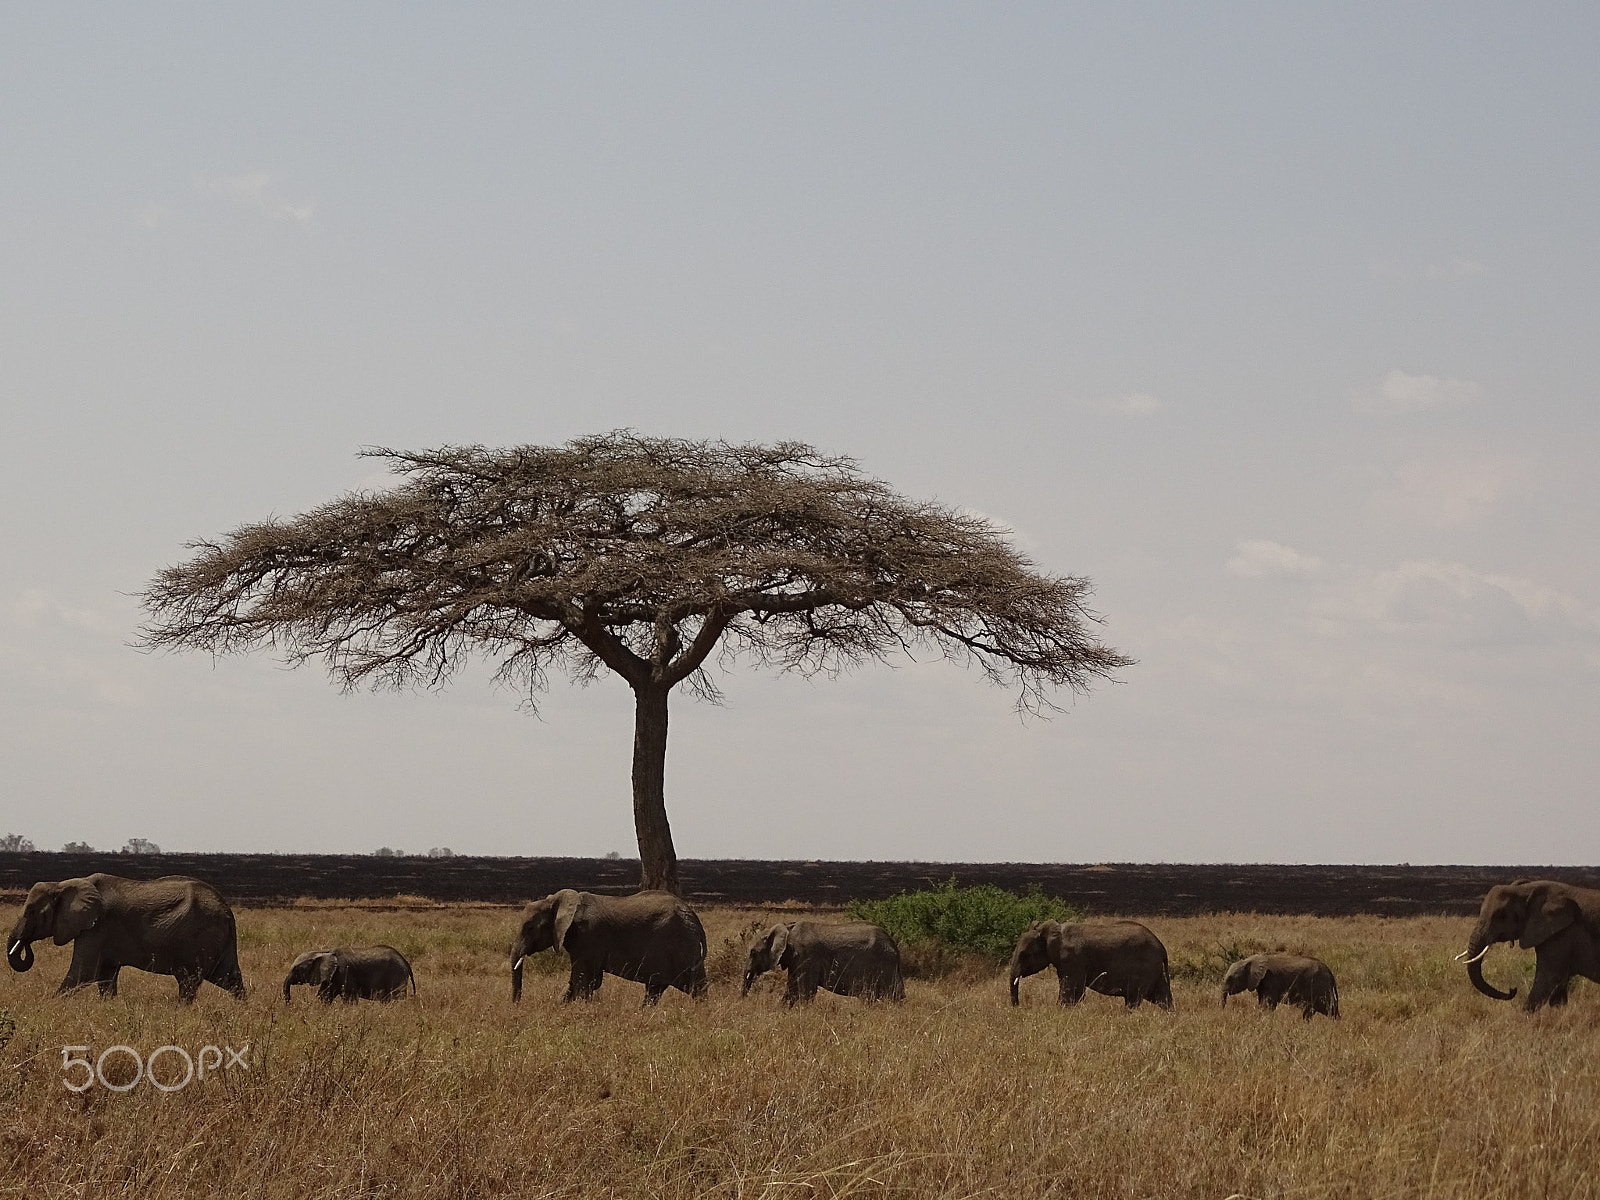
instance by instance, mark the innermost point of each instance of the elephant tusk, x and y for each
(516, 964)
(1462, 957)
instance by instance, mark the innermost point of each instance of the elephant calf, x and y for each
(854, 959)
(352, 973)
(1292, 977)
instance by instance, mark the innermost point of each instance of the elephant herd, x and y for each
(182, 927)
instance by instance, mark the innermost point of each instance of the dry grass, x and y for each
(1423, 1090)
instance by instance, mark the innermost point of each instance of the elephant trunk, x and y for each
(19, 953)
(1224, 995)
(1475, 973)
(1016, 974)
(287, 980)
(1476, 949)
(749, 978)
(518, 951)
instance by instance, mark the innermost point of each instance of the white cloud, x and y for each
(252, 190)
(35, 607)
(1401, 391)
(51, 651)
(1138, 404)
(1448, 492)
(1257, 558)
(1450, 601)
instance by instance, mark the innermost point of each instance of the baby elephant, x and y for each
(352, 973)
(855, 959)
(1292, 977)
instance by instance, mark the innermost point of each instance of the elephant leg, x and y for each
(802, 987)
(653, 992)
(583, 982)
(1132, 994)
(1070, 986)
(227, 976)
(1548, 980)
(693, 983)
(188, 985)
(108, 981)
(1161, 994)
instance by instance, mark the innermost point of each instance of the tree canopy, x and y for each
(643, 556)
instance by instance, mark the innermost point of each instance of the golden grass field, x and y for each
(1423, 1089)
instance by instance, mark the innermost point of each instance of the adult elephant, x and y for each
(853, 958)
(652, 938)
(1114, 958)
(1277, 977)
(1560, 923)
(170, 926)
(352, 973)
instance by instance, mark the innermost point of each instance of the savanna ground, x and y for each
(1423, 1089)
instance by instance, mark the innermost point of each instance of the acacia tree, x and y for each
(642, 556)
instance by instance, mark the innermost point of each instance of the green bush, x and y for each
(984, 920)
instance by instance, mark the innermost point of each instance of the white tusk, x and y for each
(516, 964)
(1462, 957)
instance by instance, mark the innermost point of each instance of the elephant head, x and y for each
(545, 925)
(768, 951)
(314, 966)
(1523, 912)
(61, 911)
(1244, 975)
(1037, 948)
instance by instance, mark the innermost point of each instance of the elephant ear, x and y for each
(1256, 973)
(327, 964)
(1052, 938)
(777, 943)
(77, 909)
(1549, 912)
(568, 905)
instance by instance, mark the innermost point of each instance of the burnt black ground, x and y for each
(1165, 889)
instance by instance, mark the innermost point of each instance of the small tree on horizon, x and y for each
(639, 555)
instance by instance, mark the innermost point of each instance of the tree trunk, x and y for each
(658, 862)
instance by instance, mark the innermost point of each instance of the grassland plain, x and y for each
(1424, 1089)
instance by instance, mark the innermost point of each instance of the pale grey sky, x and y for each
(1280, 322)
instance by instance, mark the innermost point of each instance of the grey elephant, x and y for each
(1277, 977)
(170, 926)
(352, 973)
(652, 938)
(1559, 922)
(851, 959)
(1114, 958)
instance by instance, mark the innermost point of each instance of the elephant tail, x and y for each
(411, 976)
(1334, 1011)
